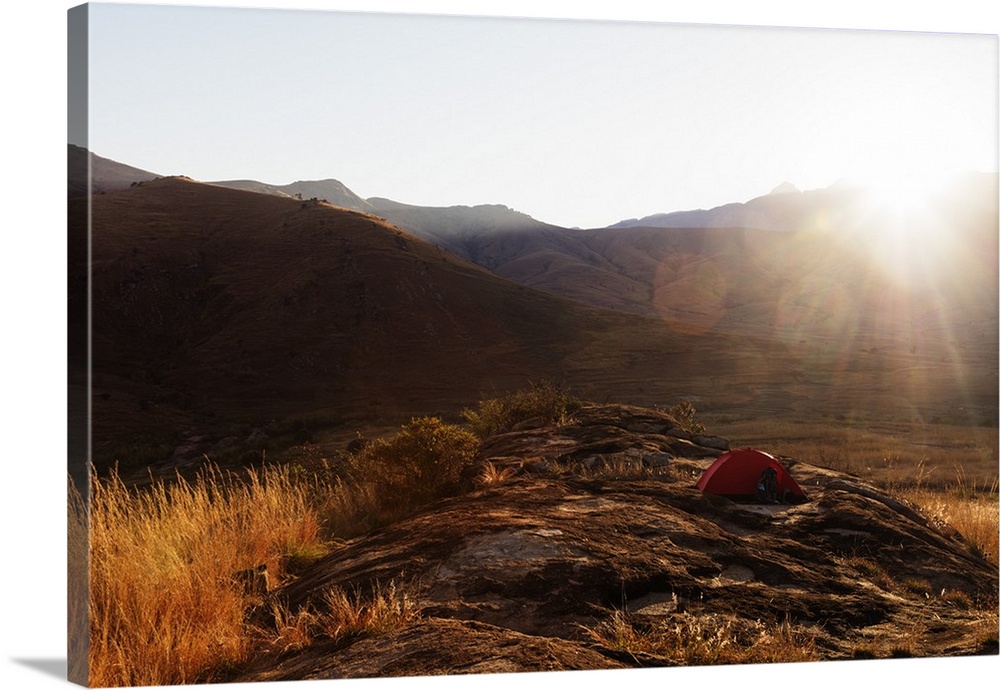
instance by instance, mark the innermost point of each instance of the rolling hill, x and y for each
(792, 264)
(786, 257)
(214, 307)
(221, 310)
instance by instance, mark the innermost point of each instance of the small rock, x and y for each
(536, 467)
(716, 442)
(532, 423)
(647, 428)
(657, 460)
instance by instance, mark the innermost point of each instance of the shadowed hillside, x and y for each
(822, 264)
(819, 264)
(222, 314)
(213, 306)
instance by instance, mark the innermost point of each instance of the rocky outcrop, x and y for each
(514, 575)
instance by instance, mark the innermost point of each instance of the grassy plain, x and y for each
(949, 471)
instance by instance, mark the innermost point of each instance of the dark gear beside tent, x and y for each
(751, 473)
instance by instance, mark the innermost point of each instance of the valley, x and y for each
(229, 312)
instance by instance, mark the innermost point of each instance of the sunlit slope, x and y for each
(840, 265)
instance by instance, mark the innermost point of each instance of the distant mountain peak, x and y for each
(785, 188)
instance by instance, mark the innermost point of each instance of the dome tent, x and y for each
(737, 473)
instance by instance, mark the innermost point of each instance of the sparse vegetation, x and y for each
(614, 466)
(692, 640)
(683, 413)
(338, 616)
(490, 474)
(544, 401)
(872, 571)
(973, 514)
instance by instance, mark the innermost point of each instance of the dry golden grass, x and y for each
(166, 602)
(974, 514)
(915, 638)
(164, 606)
(491, 475)
(950, 472)
(890, 452)
(713, 639)
(613, 466)
(341, 615)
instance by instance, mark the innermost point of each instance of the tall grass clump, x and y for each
(167, 604)
(968, 507)
(164, 605)
(340, 615)
(544, 401)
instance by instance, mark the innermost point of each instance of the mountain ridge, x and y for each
(587, 307)
(215, 303)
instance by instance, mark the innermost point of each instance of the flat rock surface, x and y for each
(511, 577)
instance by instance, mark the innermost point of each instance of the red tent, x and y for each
(737, 472)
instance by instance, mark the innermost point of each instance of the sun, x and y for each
(905, 233)
(903, 193)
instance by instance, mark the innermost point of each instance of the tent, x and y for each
(737, 473)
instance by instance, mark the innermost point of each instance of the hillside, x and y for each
(787, 263)
(220, 315)
(810, 264)
(815, 265)
(222, 309)
(595, 550)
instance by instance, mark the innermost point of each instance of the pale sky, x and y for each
(575, 122)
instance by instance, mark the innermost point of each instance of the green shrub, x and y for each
(424, 461)
(544, 401)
